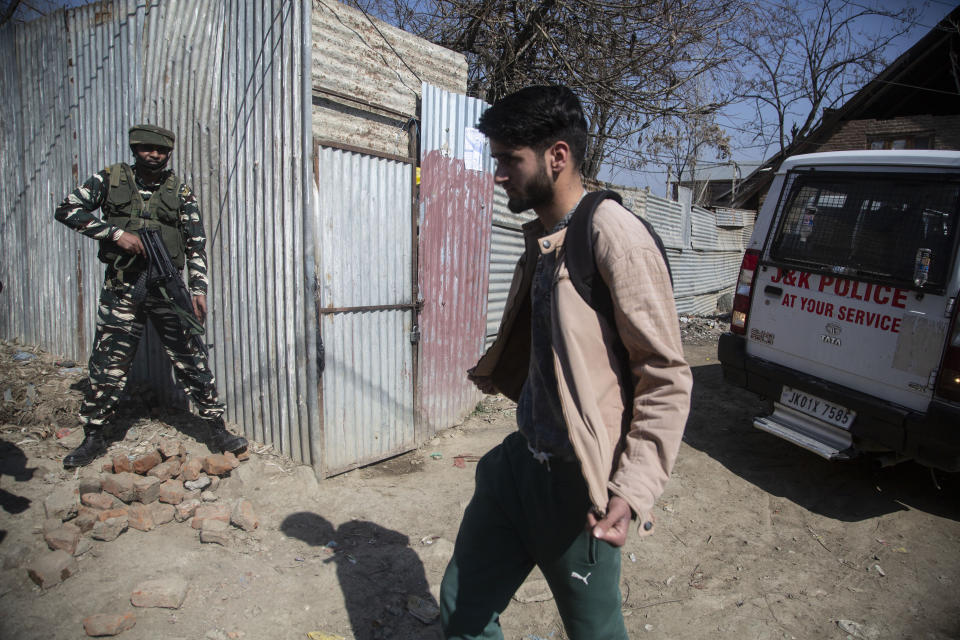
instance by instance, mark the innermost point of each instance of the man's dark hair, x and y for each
(537, 117)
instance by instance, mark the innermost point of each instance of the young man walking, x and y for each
(601, 400)
(146, 195)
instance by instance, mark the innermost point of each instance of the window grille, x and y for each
(894, 227)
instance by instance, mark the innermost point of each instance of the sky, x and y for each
(734, 118)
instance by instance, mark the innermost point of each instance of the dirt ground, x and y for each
(756, 538)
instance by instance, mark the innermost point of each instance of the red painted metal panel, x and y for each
(454, 256)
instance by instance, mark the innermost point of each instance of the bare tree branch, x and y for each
(634, 64)
(798, 57)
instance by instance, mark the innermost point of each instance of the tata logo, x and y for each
(760, 335)
(835, 341)
(834, 329)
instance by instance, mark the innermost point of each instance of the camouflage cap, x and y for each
(151, 134)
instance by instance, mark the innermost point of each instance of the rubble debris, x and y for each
(108, 624)
(65, 537)
(52, 568)
(140, 517)
(217, 464)
(200, 483)
(120, 485)
(171, 492)
(62, 502)
(243, 516)
(210, 512)
(702, 330)
(216, 531)
(167, 593)
(109, 529)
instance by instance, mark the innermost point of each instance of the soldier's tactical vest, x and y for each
(124, 208)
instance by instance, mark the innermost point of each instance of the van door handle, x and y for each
(772, 290)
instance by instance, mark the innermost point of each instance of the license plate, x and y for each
(817, 407)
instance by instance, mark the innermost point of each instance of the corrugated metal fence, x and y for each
(456, 195)
(704, 249)
(231, 77)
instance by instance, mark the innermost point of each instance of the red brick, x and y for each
(217, 465)
(161, 513)
(186, 510)
(107, 467)
(120, 485)
(234, 462)
(140, 517)
(147, 461)
(191, 468)
(50, 524)
(210, 512)
(86, 518)
(118, 512)
(171, 492)
(89, 484)
(108, 624)
(121, 463)
(62, 502)
(170, 447)
(243, 516)
(101, 501)
(216, 531)
(64, 538)
(109, 529)
(53, 568)
(243, 455)
(147, 489)
(165, 592)
(166, 470)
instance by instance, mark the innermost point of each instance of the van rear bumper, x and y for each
(931, 438)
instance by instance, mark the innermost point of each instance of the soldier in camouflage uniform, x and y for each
(131, 198)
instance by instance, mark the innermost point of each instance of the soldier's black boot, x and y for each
(91, 447)
(222, 439)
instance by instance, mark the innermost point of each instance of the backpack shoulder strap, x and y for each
(580, 259)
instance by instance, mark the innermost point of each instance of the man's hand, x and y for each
(130, 242)
(614, 527)
(200, 308)
(484, 383)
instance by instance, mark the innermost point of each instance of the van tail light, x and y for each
(948, 381)
(741, 298)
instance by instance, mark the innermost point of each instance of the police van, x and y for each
(845, 313)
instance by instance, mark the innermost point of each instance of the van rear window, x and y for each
(894, 227)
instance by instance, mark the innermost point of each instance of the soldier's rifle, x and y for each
(162, 274)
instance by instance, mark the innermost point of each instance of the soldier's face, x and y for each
(151, 156)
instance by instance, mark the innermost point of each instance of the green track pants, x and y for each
(524, 514)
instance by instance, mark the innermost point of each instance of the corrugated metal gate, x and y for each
(456, 194)
(366, 306)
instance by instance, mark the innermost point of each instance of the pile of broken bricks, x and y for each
(144, 491)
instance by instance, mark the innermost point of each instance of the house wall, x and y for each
(367, 77)
(854, 134)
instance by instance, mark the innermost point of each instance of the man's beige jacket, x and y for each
(622, 452)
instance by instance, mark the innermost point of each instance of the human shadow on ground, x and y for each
(383, 580)
(13, 463)
(721, 426)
